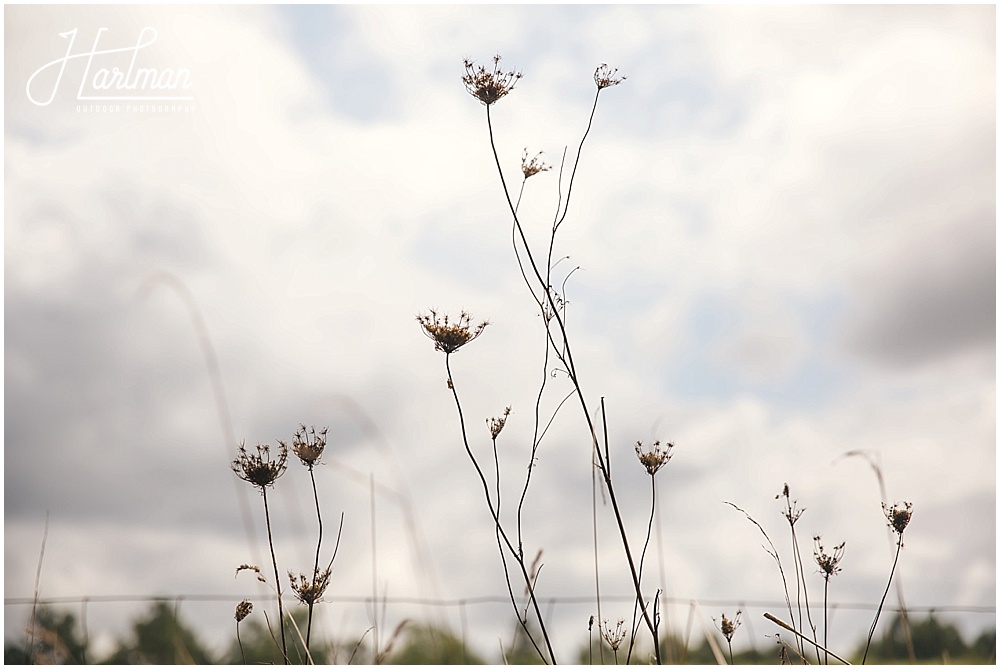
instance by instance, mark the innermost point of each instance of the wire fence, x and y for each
(686, 611)
(549, 602)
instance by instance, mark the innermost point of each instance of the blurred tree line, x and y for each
(160, 637)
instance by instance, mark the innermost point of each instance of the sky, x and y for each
(784, 224)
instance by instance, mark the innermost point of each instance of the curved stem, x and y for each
(571, 369)
(499, 526)
(319, 542)
(642, 562)
(871, 632)
(277, 581)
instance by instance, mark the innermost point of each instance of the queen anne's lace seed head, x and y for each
(898, 515)
(488, 86)
(258, 468)
(448, 335)
(654, 459)
(605, 77)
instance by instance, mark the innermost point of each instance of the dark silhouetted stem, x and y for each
(871, 632)
(277, 581)
(319, 542)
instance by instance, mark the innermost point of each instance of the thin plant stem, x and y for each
(240, 642)
(642, 561)
(597, 572)
(773, 552)
(781, 623)
(277, 581)
(826, 620)
(319, 542)
(805, 590)
(871, 632)
(375, 639)
(499, 526)
(567, 357)
(34, 601)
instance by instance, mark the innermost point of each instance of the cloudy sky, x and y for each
(784, 221)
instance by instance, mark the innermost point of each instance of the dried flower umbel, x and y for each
(615, 638)
(308, 445)
(532, 167)
(728, 627)
(828, 564)
(605, 77)
(488, 86)
(243, 609)
(259, 469)
(791, 512)
(309, 592)
(496, 424)
(898, 515)
(654, 459)
(448, 335)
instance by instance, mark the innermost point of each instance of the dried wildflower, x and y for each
(488, 86)
(309, 592)
(605, 77)
(615, 638)
(259, 469)
(654, 459)
(828, 564)
(898, 515)
(728, 627)
(496, 424)
(243, 609)
(532, 167)
(253, 568)
(791, 513)
(308, 445)
(450, 336)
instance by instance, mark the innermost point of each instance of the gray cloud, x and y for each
(935, 297)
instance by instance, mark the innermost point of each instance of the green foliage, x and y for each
(55, 641)
(985, 646)
(160, 638)
(933, 641)
(426, 644)
(260, 647)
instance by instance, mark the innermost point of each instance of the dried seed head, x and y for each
(308, 445)
(309, 592)
(450, 336)
(728, 627)
(654, 459)
(791, 512)
(828, 564)
(532, 167)
(496, 424)
(259, 469)
(615, 638)
(253, 568)
(488, 86)
(898, 515)
(604, 76)
(243, 609)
